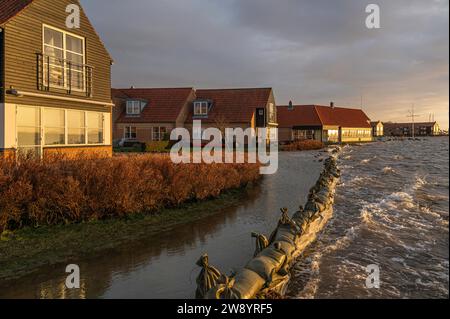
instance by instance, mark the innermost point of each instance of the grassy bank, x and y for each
(26, 250)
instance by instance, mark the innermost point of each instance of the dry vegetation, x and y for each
(304, 145)
(62, 191)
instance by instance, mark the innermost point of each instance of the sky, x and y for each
(308, 51)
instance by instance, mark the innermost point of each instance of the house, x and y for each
(55, 91)
(405, 129)
(328, 124)
(377, 129)
(146, 115)
(235, 108)
(149, 114)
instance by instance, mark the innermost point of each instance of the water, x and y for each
(163, 266)
(392, 210)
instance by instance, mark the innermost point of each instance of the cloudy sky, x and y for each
(309, 51)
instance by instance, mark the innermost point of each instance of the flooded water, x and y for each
(391, 210)
(163, 266)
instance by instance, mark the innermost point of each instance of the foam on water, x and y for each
(391, 211)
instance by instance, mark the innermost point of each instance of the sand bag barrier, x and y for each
(268, 272)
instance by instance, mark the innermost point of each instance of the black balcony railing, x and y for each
(54, 73)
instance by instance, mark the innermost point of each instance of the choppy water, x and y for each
(392, 210)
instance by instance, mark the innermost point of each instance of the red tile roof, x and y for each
(232, 105)
(164, 104)
(318, 115)
(10, 8)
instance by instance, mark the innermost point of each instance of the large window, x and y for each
(158, 133)
(54, 126)
(37, 127)
(64, 55)
(95, 128)
(76, 127)
(28, 129)
(201, 108)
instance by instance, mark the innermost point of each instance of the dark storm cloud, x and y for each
(308, 51)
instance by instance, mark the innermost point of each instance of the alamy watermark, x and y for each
(73, 19)
(373, 20)
(73, 279)
(259, 145)
(373, 276)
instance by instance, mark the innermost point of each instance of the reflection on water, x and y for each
(391, 209)
(163, 266)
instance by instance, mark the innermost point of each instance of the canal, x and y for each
(163, 266)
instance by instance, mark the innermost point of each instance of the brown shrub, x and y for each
(61, 190)
(304, 145)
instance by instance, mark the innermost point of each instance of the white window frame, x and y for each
(126, 132)
(160, 137)
(201, 104)
(133, 107)
(65, 51)
(42, 124)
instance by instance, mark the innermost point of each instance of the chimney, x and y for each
(291, 106)
(332, 105)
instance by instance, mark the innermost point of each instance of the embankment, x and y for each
(268, 273)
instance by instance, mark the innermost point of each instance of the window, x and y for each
(133, 107)
(130, 132)
(65, 55)
(54, 127)
(272, 113)
(95, 128)
(158, 133)
(28, 128)
(201, 108)
(76, 127)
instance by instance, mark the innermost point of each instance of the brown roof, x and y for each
(164, 104)
(232, 105)
(318, 115)
(10, 8)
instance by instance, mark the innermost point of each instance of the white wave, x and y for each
(388, 169)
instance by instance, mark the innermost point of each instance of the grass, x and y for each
(26, 250)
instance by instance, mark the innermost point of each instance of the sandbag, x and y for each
(247, 284)
(287, 247)
(264, 266)
(207, 278)
(261, 243)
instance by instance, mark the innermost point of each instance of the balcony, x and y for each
(61, 75)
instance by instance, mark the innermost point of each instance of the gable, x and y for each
(47, 11)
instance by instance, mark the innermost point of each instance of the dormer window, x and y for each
(201, 108)
(134, 107)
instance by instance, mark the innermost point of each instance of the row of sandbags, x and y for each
(269, 270)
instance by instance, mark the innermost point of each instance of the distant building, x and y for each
(328, 124)
(377, 129)
(147, 115)
(405, 129)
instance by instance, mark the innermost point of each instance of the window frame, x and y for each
(125, 132)
(133, 106)
(161, 131)
(201, 104)
(65, 51)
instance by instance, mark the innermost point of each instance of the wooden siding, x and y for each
(23, 41)
(2, 60)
